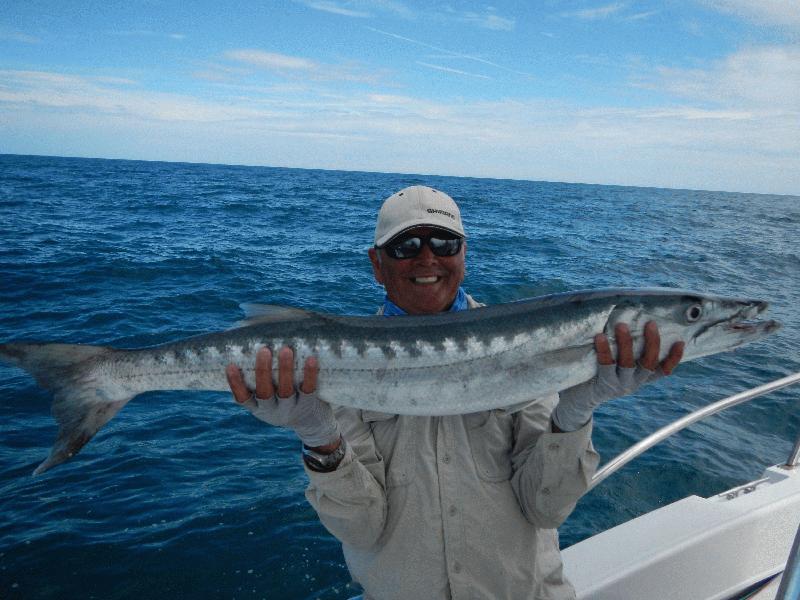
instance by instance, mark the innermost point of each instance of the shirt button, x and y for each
(453, 510)
(456, 567)
(546, 491)
(446, 459)
(554, 446)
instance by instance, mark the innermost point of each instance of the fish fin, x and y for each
(82, 402)
(80, 415)
(270, 313)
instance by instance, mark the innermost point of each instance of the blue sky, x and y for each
(700, 94)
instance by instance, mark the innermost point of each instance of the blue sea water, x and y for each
(185, 494)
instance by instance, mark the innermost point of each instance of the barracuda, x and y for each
(444, 364)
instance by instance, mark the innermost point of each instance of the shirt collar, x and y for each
(390, 309)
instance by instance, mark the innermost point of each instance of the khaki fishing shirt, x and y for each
(457, 507)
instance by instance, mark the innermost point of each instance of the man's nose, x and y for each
(425, 253)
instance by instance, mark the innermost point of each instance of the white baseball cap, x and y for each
(417, 206)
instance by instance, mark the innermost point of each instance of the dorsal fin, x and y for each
(270, 313)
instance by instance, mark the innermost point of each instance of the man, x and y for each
(462, 506)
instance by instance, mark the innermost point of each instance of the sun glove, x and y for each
(576, 404)
(311, 418)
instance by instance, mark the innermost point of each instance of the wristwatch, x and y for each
(324, 463)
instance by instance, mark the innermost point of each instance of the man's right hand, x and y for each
(298, 409)
(615, 378)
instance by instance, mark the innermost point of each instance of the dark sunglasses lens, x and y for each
(449, 247)
(407, 248)
(411, 246)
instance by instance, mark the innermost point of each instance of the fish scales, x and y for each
(502, 356)
(353, 354)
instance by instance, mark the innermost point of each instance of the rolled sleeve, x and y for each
(351, 501)
(554, 475)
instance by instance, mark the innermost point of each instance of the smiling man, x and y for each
(420, 233)
(450, 507)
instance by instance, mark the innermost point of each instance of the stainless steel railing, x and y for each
(794, 457)
(618, 462)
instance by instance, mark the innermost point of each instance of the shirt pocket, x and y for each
(395, 443)
(491, 436)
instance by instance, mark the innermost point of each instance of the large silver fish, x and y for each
(449, 363)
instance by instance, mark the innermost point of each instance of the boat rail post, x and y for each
(794, 457)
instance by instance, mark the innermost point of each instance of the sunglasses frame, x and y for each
(390, 246)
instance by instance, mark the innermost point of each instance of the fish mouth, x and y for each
(756, 308)
(753, 327)
(746, 320)
(745, 323)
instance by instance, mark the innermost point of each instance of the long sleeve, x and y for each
(351, 501)
(551, 470)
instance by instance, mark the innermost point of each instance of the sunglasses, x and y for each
(409, 247)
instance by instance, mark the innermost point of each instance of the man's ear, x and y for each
(375, 259)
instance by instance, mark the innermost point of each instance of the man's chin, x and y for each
(432, 305)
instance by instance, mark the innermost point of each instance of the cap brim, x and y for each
(400, 230)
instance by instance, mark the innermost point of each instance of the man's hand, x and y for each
(615, 378)
(298, 409)
(652, 347)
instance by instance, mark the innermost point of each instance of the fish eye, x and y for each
(694, 312)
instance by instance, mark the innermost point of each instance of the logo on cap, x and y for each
(442, 212)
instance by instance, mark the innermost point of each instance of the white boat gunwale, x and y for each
(715, 548)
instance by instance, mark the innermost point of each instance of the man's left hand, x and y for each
(615, 378)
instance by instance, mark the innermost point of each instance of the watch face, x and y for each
(323, 462)
(315, 462)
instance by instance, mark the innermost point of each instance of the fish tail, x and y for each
(83, 401)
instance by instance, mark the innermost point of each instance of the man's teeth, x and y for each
(432, 279)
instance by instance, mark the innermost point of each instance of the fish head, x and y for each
(726, 324)
(706, 324)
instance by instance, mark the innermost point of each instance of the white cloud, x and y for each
(390, 6)
(642, 15)
(689, 113)
(730, 146)
(336, 8)
(298, 66)
(489, 21)
(765, 78)
(88, 95)
(149, 33)
(18, 36)
(601, 12)
(360, 8)
(619, 10)
(393, 99)
(271, 60)
(113, 80)
(771, 12)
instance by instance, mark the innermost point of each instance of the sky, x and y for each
(697, 94)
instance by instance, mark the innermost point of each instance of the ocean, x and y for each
(187, 495)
